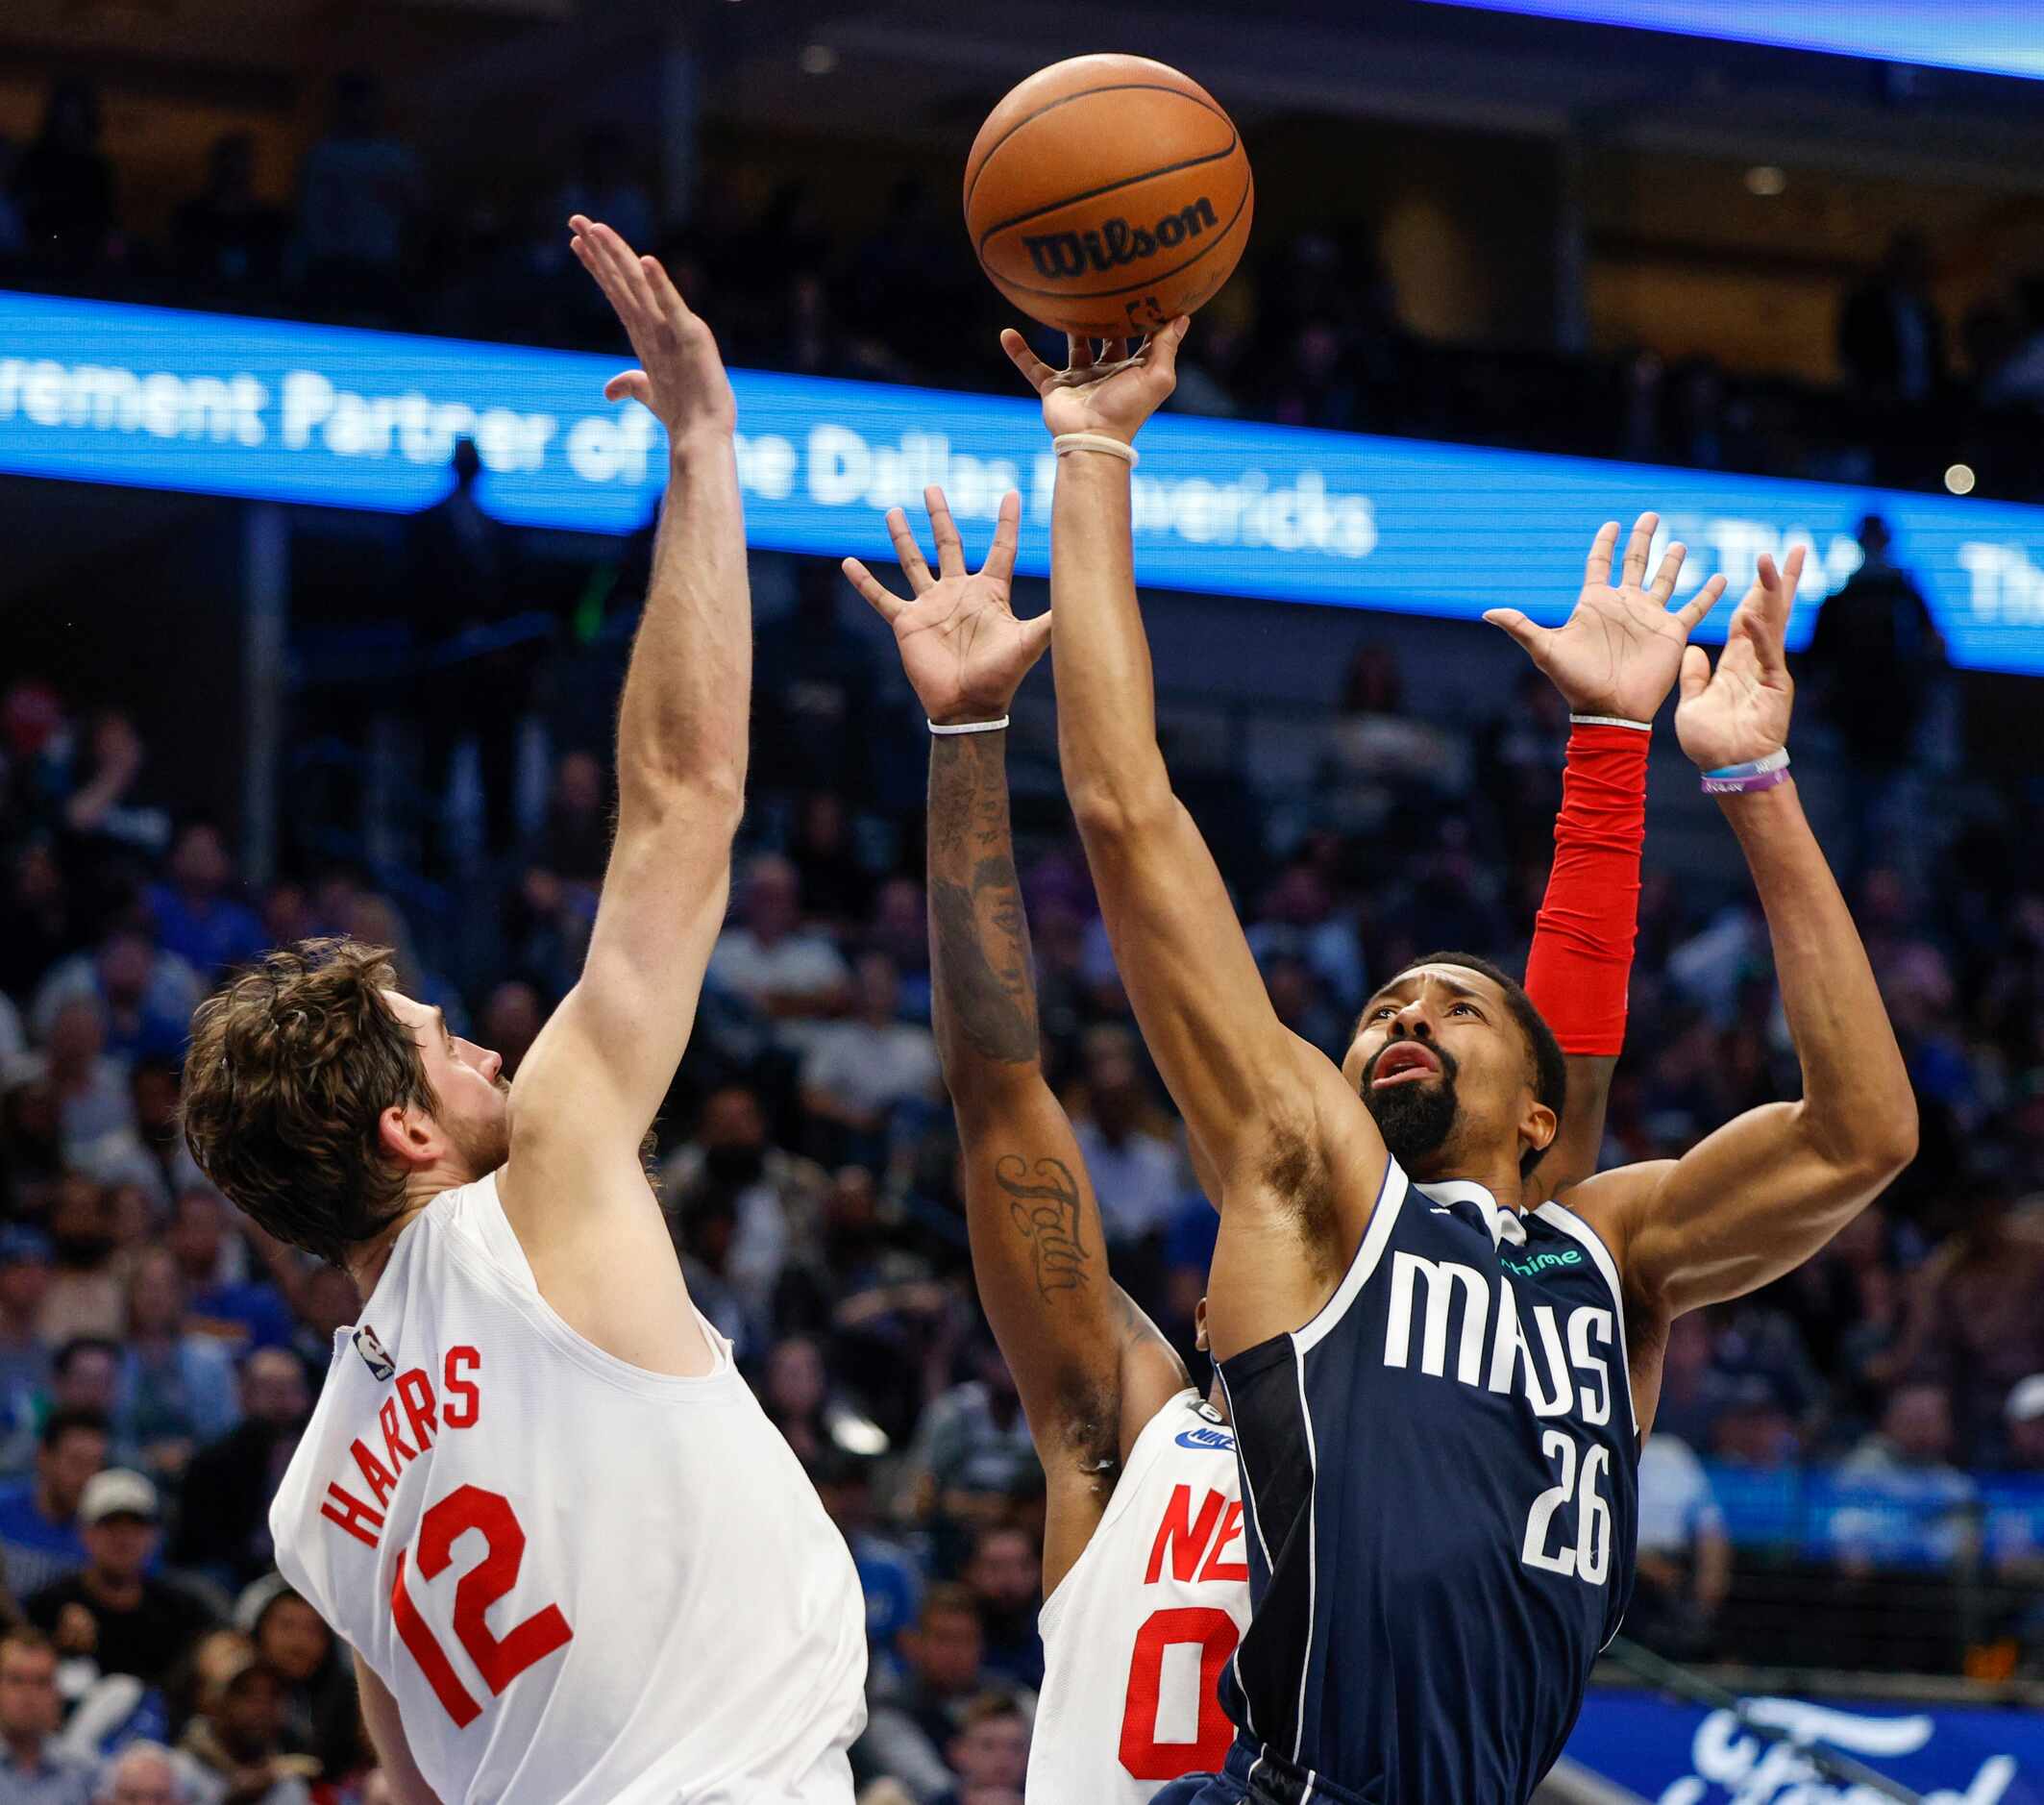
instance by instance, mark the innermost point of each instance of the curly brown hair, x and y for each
(292, 1062)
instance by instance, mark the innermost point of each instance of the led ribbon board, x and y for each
(1988, 37)
(145, 397)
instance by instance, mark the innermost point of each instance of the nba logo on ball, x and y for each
(1107, 195)
(373, 1355)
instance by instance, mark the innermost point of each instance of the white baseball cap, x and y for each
(2027, 1399)
(118, 1493)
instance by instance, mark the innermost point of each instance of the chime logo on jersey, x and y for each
(374, 1355)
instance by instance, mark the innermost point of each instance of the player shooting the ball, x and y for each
(1439, 1395)
(1144, 1576)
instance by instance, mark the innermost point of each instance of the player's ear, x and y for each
(409, 1135)
(1539, 1126)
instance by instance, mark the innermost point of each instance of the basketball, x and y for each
(1108, 194)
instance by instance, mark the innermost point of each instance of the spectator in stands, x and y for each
(1135, 1166)
(909, 1735)
(165, 1166)
(85, 1293)
(990, 1753)
(63, 184)
(319, 1697)
(836, 888)
(227, 237)
(1906, 1465)
(900, 927)
(144, 1773)
(1972, 1320)
(177, 1388)
(1298, 920)
(510, 1022)
(1006, 1577)
(237, 1737)
(1891, 341)
(34, 1769)
(112, 1611)
(229, 1541)
(25, 1262)
(39, 1515)
(1878, 660)
(196, 920)
(863, 1069)
(973, 1444)
(223, 1299)
(816, 691)
(769, 957)
(360, 190)
(775, 1197)
(466, 576)
(889, 1573)
(95, 1112)
(574, 840)
(1685, 1555)
(38, 922)
(146, 996)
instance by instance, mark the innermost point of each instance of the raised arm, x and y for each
(1614, 659)
(1764, 1192)
(587, 1091)
(1092, 1368)
(1285, 1135)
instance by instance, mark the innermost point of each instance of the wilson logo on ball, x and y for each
(1062, 254)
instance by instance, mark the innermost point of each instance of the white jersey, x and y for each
(584, 1584)
(1137, 1633)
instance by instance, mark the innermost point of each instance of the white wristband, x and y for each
(969, 726)
(1609, 720)
(1067, 442)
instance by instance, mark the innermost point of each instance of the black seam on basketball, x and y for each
(1065, 100)
(1233, 145)
(1176, 269)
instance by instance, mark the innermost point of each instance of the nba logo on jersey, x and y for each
(374, 1357)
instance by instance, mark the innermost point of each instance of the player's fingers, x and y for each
(883, 601)
(1515, 622)
(1596, 569)
(1162, 354)
(1036, 636)
(1638, 546)
(1696, 672)
(908, 553)
(1113, 351)
(1038, 373)
(665, 294)
(630, 386)
(950, 550)
(626, 280)
(1007, 531)
(1662, 588)
(1078, 352)
(1693, 611)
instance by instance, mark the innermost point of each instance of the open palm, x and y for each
(1620, 649)
(964, 651)
(1739, 711)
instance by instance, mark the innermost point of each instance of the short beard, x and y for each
(1415, 1119)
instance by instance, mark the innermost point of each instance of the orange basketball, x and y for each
(1106, 195)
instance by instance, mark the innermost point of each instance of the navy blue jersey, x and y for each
(1439, 1473)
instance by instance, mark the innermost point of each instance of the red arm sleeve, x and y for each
(1582, 940)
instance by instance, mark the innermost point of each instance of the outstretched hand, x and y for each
(1112, 393)
(680, 378)
(1619, 651)
(964, 651)
(1739, 712)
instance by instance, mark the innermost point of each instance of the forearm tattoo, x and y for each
(985, 988)
(1043, 1202)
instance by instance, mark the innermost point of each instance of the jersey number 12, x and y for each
(499, 1659)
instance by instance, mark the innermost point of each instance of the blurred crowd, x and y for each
(1309, 333)
(1847, 1468)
